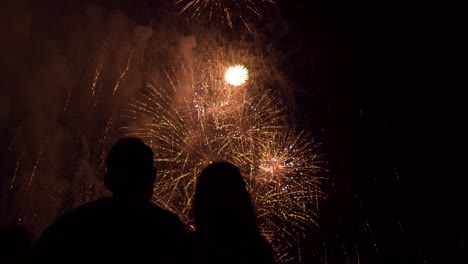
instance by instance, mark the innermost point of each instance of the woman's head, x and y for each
(221, 202)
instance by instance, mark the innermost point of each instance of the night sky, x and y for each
(372, 82)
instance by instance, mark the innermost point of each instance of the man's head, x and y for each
(130, 170)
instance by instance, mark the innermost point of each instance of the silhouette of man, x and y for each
(15, 242)
(124, 228)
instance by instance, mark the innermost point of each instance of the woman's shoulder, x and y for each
(265, 250)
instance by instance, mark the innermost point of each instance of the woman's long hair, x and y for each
(222, 204)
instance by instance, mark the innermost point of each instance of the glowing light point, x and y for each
(236, 75)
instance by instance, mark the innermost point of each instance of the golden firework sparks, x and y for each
(227, 11)
(248, 127)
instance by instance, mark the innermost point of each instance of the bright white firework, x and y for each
(236, 75)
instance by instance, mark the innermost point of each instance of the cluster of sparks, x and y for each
(202, 116)
(222, 10)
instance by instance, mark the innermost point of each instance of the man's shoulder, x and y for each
(89, 208)
(83, 212)
(74, 223)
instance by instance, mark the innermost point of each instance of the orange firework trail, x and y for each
(123, 72)
(31, 178)
(199, 118)
(221, 10)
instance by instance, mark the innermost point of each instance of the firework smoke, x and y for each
(61, 98)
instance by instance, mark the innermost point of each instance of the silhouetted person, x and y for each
(15, 244)
(225, 220)
(124, 228)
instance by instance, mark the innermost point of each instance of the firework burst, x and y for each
(284, 185)
(199, 118)
(236, 75)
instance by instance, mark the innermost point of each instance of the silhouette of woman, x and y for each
(225, 220)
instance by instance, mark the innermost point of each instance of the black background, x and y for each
(386, 110)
